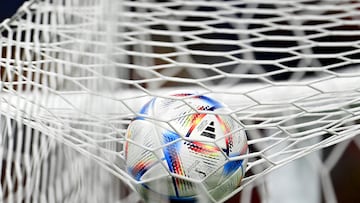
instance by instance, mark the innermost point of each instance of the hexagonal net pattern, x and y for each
(74, 73)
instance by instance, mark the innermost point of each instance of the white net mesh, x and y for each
(74, 73)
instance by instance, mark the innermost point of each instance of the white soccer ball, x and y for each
(176, 144)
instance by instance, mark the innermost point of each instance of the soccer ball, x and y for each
(176, 144)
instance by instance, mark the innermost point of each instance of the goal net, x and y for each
(74, 73)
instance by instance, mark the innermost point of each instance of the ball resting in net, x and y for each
(75, 73)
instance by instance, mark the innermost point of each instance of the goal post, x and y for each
(75, 73)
